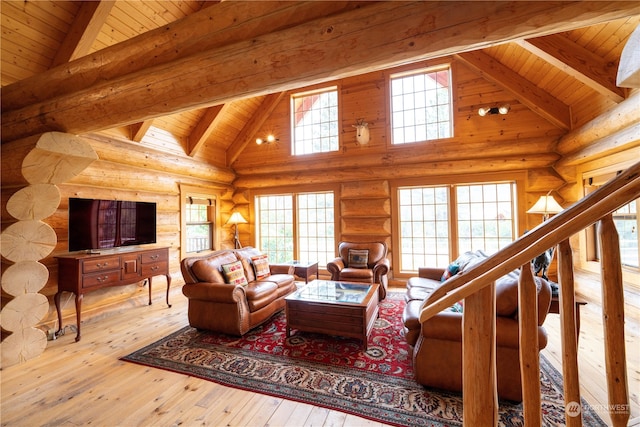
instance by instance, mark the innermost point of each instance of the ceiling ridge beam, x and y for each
(375, 37)
(578, 62)
(252, 126)
(538, 100)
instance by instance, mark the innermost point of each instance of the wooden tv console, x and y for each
(86, 272)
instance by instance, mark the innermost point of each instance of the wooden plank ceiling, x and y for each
(556, 75)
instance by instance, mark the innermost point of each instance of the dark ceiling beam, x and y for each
(539, 101)
(378, 36)
(578, 62)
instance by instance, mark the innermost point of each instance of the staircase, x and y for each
(477, 287)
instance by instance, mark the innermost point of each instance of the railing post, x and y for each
(572, 401)
(613, 322)
(529, 352)
(479, 389)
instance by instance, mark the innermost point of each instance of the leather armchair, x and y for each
(377, 266)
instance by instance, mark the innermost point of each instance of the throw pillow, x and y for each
(451, 270)
(358, 258)
(234, 273)
(261, 266)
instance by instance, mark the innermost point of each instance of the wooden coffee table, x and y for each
(333, 308)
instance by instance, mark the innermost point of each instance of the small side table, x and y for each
(307, 270)
(555, 308)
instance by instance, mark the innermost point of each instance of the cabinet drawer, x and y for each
(155, 256)
(101, 279)
(155, 268)
(101, 264)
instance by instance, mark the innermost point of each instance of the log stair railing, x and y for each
(477, 287)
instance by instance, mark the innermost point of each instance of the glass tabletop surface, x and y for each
(329, 291)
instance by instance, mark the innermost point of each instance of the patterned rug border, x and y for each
(510, 413)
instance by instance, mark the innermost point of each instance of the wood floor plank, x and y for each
(86, 383)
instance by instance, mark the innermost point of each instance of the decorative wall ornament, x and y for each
(362, 131)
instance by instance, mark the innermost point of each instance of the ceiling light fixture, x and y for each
(268, 139)
(502, 109)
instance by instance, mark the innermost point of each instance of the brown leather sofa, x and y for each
(232, 308)
(373, 270)
(437, 344)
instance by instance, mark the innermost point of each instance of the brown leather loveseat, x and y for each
(437, 344)
(234, 308)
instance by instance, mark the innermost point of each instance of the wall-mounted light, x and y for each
(362, 131)
(268, 139)
(502, 109)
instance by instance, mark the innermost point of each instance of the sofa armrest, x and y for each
(217, 292)
(281, 269)
(433, 273)
(335, 267)
(381, 268)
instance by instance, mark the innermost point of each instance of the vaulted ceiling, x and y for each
(200, 77)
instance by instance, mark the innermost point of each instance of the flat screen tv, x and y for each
(102, 224)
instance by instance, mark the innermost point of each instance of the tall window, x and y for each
(296, 226)
(315, 122)
(421, 106)
(437, 223)
(626, 220)
(199, 225)
(424, 226)
(485, 216)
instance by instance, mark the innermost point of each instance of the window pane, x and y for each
(410, 94)
(315, 227)
(423, 213)
(315, 122)
(626, 220)
(276, 227)
(483, 222)
(199, 228)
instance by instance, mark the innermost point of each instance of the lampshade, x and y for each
(545, 205)
(236, 218)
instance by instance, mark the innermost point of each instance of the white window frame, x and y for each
(311, 131)
(414, 116)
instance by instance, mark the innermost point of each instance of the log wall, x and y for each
(124, 171)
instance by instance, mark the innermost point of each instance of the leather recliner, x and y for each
(373, 268)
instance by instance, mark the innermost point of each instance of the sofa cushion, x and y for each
(506, 296)
(261, 266)
(248, 269)
(450, 271)
(260, 294)
(234, 273)
(206, 270)
(356, 274)
(358, 258)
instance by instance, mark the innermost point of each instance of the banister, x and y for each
(616, 193)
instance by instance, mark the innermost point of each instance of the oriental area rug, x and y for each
(335, 372)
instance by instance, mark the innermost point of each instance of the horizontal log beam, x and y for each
(214, 26)
(416, 170)
(374, 37)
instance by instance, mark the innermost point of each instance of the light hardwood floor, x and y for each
(85, 383)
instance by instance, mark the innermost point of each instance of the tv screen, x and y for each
(101, 224)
